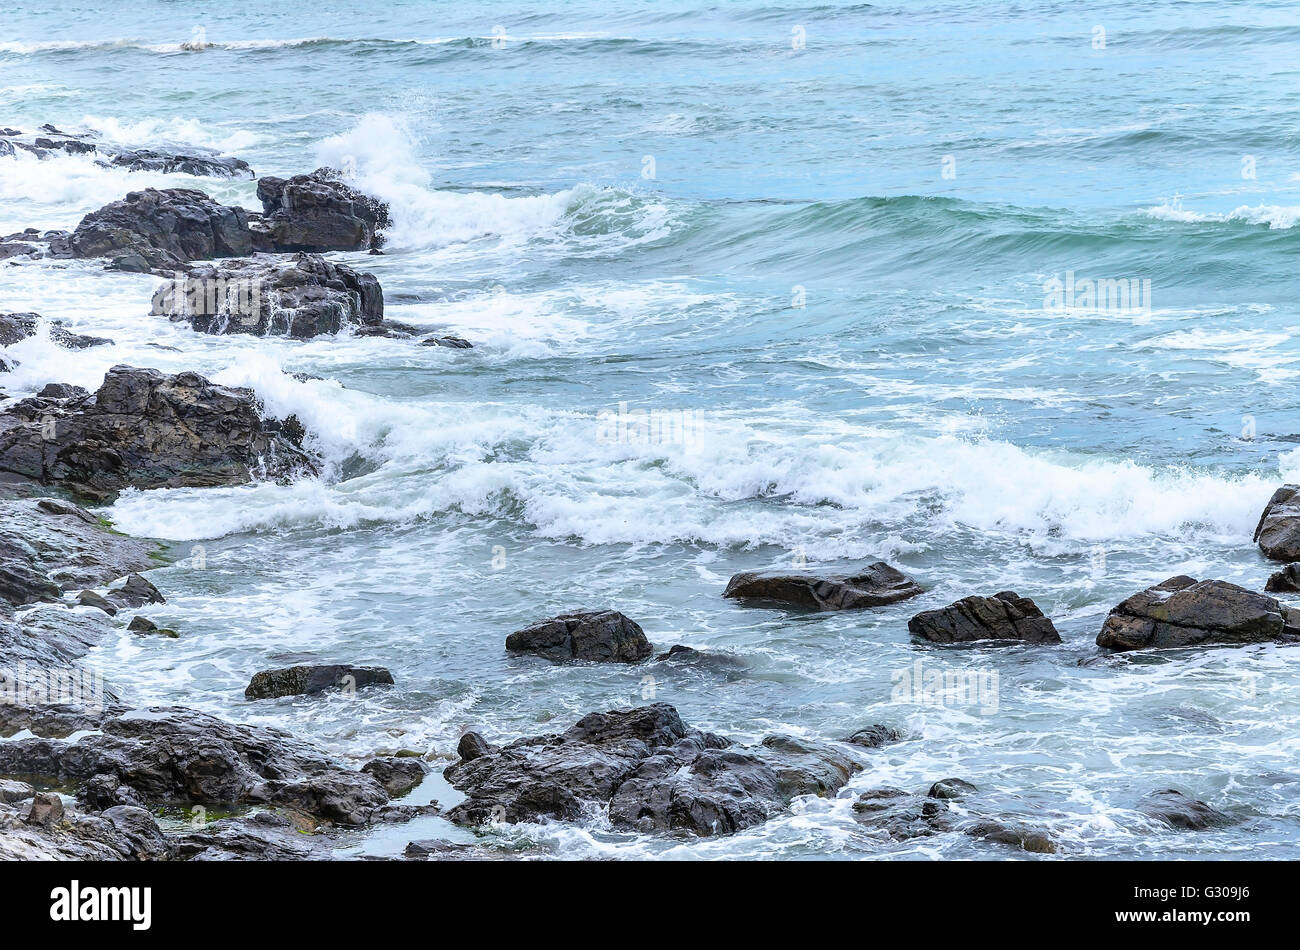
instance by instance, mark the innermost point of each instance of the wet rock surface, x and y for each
(191, 160)
(604, 636)
(178, 756)
(873, 586)
(1004, 616)
(650, 770)
(48, 546)
(142, 429)
(1181, 811)
(1278, 530)
(308, 680)
(303, 297)
(317, 212)
(1285, 581)
(1183, 611)
(162, 229)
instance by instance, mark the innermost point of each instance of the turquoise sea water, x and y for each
(817, 242)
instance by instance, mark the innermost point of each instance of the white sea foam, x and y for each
(1279, 217)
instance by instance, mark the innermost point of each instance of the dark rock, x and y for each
(874, 586)
(15, 327)
(302, 298)
(88, 598)
(35, 245)
(901, 815)
(1183, 611)
(143, 625)
(76, 341)
(152, 229)
(1285, 581)
(472, 745)
(120, 833)
(678, 652)
(397, 775)
(598, 635)
(46, 809)
(265, 836)
(951, 788)
(142, 429)
(317, 212)
(873, 737)
(1178, 811)
(61, 391)
(1278, 531)
(307, 680)
(107, 791)
(47, 544)
(451, 342)
(651, 771)
(136, 592)
(436, 848)
(1004, 616)
(197, 163)
(176, 756)
(1018, 836)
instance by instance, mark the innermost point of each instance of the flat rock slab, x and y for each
(1278, 531)
(874, 586)
(602, 636)
(308, 680)
(48, 545)
(1183, 612)
(1004, 616)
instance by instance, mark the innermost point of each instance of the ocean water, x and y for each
(815, 241)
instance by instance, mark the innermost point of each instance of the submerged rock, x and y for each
(15, 327)
(451, 342)
(304, 297)
(308, 680)
(162, 229)
(34, 244)
(1004, 616)
(598, 635)
(651, 772)
(199, 162)
(1278, 530)
(145, 626)
(874, 586)
(1183, 611)
(317, 212)
(873, 737)
(1179, 811)
(142, 429)
(901, 815)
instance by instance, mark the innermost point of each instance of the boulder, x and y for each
(301, 298)
(145, 626)
(598, 635)
(308, 680)
(1004, 616)
(142, 429)
(901, 815)
(873, 737)
(398, 775)
(651, 773)
(90, 598)
(136, 592)
(1179, 811)
(1183, 611)
(154, 230)
(472, 745)
(874, 586)
(46, 809)
(1278, 530)
(1285, 581)
(317, 212)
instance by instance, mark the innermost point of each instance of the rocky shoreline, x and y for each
(90, 780)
